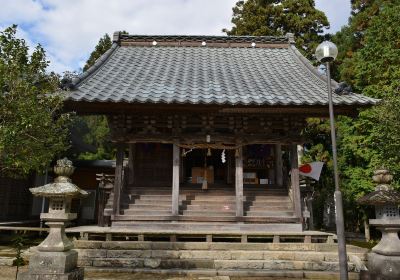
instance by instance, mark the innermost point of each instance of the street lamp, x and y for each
(326, 52)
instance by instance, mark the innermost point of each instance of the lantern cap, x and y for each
(62, 185)
(384, 193)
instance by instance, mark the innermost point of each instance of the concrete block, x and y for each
(238, 264)
(309, 256)
(200, 254)
(247, 255)
(165, 254)
(84, 262)
(192, 246)
(152, 263)
(282, 265)
(6, 261)
(53, 262)
(279, 255)
(76, 274)
(128, 254)
(109, 262)
(91, 253)
(126, 245)
(83, 244)
(187, 264)
(322, 266)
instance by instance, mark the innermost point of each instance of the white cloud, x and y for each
(337, 11)
(69, 30)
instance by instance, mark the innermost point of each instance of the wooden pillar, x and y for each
(239, 183)
(295, 180)
(132, 151)
(175, 179)
(181, 168)
(271, 171)
(118, 178)
(228, 166)
(278, 165)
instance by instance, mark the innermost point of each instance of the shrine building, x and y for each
(206, 128)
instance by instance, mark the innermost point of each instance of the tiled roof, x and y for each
(226, 71)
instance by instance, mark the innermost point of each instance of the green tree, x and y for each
(278, 17)
(371, 64)
(32, 128)
(91, 132)
(102, 46)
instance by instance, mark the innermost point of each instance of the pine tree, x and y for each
(102, 46)
(278, 17)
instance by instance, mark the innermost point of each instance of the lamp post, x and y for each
(326, 52)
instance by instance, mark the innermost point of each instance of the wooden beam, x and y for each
(132, 151)
(239, 182)
(278, 165)
(175, 179)
(118, 178)
(295, 181)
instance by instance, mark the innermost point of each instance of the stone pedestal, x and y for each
(53, 266)
(53, 259)
(384, 260)
(383, 267)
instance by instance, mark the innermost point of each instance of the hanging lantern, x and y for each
(183, 153)
(209, 152)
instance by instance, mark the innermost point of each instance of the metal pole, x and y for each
(43, 201)
(338, 194)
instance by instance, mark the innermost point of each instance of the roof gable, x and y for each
(211, 70)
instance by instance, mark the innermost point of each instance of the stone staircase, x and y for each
(296, 260)
(218, 203)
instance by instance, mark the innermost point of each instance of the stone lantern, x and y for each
(54, 258)
(384, 260)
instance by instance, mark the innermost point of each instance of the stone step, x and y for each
(219, 254)
(270, 213)
(280, 265)
(209, 213)
(174, 263)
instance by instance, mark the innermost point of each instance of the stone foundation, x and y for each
(53, 266)
(218, 256)
(383, 267)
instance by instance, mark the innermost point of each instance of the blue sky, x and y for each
(69, 29)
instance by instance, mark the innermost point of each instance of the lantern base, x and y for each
(54, 266)
(76, 274)
(383, 267)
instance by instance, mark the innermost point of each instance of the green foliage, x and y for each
(32, 128)
(278, 17)
(93, 131)
(18, 243)
(369, 59)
